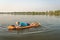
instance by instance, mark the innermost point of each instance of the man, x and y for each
(22, 24)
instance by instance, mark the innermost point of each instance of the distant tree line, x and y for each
(54, 13)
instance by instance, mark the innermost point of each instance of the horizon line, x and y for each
(28, 11)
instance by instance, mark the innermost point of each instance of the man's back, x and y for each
(23, 24)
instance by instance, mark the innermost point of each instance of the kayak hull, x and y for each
(32, 25)
(21, 28)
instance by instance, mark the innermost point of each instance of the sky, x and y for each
(28, 5)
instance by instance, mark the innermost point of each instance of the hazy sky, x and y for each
(28, 5)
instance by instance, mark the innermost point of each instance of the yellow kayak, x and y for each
(13, 27)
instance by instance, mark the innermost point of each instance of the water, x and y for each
(49, 30)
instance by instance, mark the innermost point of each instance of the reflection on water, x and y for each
(49, 30)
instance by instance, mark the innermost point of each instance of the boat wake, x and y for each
(28, 31)
(36, 30)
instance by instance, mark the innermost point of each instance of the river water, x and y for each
(49, 29)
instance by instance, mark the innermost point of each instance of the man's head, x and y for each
(17, 23)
